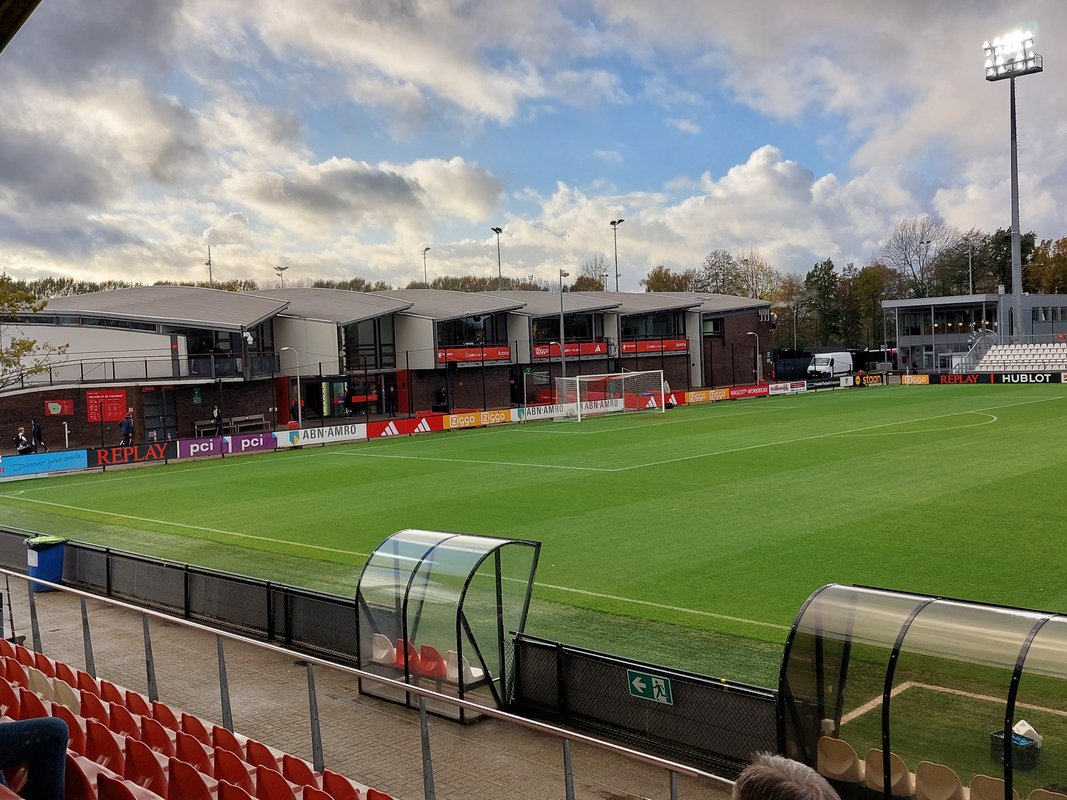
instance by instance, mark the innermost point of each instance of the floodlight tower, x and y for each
(615, 223)
(498, 230)
(562, 338)
(1008, 57)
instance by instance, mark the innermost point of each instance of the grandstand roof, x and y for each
(340, 306)
(172, 305)
(12, 14)
(543, 304)
(442, 304)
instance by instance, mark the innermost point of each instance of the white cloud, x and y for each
(684, 125)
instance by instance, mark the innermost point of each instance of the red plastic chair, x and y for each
(165, 716)
(138, 703)
(405, 651)
(228, 791)
(192, 751)
(110, 693)
(311, 793)
(31, 706)
(194, 726)
(143, 767)
(225, 738)
(16, 673)
(271, 785)
(24, 656)
(185, 782)
(431, 662)
(75, 728)
(339, 787)
(108, 788)
(9, 700)
(45, 664)
(374, 794)
(80, 777)
(299, 771)
(157, 737)
(258, 754)
(93, 708)
(230, 767)
(102, 746)
(87, 683)
(122, 721)
(67, 674)
(7, 649)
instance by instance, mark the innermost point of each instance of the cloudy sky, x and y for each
(341, 137)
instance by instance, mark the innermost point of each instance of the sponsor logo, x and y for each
(1016, 377)
(651, 403)
(133, 454)
(915, 380)
(959, 379)
(390, 430)
(249, 442)
(423, 426)
(294, 437)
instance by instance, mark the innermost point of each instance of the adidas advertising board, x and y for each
(403, 427)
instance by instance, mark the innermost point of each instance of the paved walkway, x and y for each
(369, 740)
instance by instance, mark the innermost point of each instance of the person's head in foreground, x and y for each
(771, 777)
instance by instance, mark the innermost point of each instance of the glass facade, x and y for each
(473, 331)
(370, 344)
(657, 325)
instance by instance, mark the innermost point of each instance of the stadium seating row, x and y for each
(839, 762)
(124, 746)
(1024, 358)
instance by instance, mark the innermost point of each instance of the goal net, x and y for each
(617, 392)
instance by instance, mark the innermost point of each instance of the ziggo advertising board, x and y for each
(480, 419)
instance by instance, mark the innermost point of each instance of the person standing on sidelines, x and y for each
(23, 446)
(37, 436)
(216, 421)
(126, 426)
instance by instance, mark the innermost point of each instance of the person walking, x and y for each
(23, 446)
(126, 426)
(216, 421)
(37, 436)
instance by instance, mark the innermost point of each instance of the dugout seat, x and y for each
(901, 780)
(382, 650)
(406, 655)
(1046, 794)
(837, 761)
(472, 676)
(938, 782)
(431, 664)
(985, 787)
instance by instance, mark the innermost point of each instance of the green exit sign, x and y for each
(649, 687)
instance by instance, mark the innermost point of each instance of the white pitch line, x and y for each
(477, 461)
(871, 705)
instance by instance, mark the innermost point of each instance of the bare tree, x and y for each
(756, 278)
(595, 269)
(717, 274)
(914, 246)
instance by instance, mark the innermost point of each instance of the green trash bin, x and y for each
(44, 560)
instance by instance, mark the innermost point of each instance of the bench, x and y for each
(247, 424)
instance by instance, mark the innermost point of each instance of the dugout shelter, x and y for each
(906, 695)
(438, 609)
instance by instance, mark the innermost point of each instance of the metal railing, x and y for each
(565, 738)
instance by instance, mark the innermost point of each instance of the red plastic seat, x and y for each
(192, 751)
(45, 664)
(339, 787)
(24, 656)
(225, 738)
(9, 700)
(405, 651)
(272, 785)
(194, 726)
(228, 791)
(108, 788)
(299, 771)
(165, 716)
(81, 777)
(94, 708)
(157, 737)
(311, 793)
(138, 703)
(230, 767)
(7, 649)
(186, 782)
(67, 674)
(143, 767)
(431, 662)
(374, 794)
(103, 747)
(110, 693)
(258, 754)
(122, 721)
(87, 683)
(31, 706)
(16, 673)
(75, 728)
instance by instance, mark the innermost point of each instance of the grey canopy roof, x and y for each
(442, 304)
(335, 305)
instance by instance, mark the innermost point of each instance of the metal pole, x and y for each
(224, 687)
(568, 771)
(1016, 243)
(562, 337)
(35, 628)
(313, 711)
(427, 761)
(149, 661)
(87, 641)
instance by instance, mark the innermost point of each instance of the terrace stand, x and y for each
(916, 684)
(437, 609)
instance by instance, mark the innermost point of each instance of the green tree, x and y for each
(20, 356)
(717, 274)
(849, 316)
(1047, 271)
(997, 257)
(820, 285)
(661, 279)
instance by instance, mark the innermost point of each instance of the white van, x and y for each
(830, 365)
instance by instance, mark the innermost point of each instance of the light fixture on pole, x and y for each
(1008, 57)
(562, 338)
(299, 404)
(759, 359)
(498, 231)
(615, 223)
(425, 250)
(281, 273)
(210, 278)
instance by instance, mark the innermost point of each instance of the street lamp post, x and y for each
(425, 250)
(1008, 57)
(299, 405)
(759, 359)
(498, 230)
(615, 223)
(562, 338)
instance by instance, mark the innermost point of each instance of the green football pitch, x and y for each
(687, 539)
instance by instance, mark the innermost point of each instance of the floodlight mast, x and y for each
(1008, 57)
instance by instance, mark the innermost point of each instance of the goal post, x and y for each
(612, 393)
